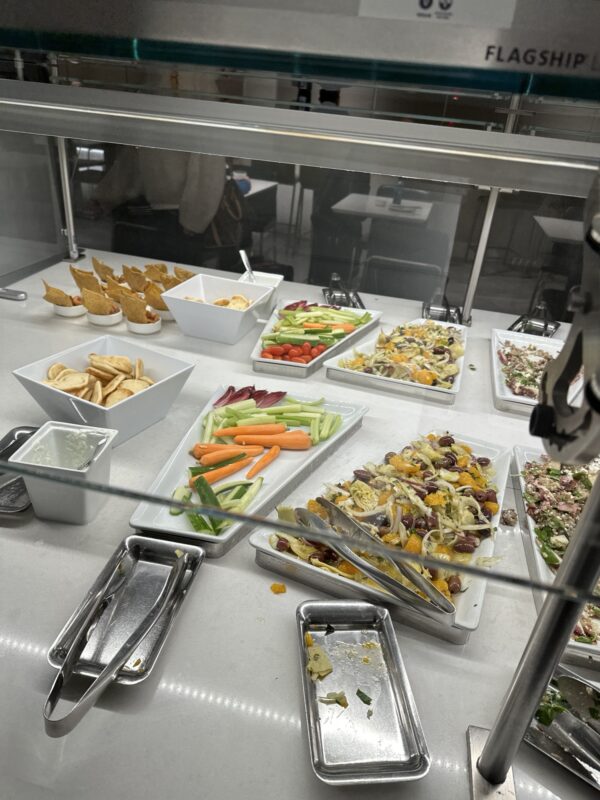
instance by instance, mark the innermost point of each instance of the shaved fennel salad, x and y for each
(426, 353)
(433, 497)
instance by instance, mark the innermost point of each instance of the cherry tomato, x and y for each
(306, 359)
(315, 352)
(264, 354)
(306, 348)
(286, 348)
(295, 352)
(321, 348)
(297, 360)
(276, 349)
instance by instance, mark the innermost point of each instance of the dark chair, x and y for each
(395, 277)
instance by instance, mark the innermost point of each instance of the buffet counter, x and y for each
(221, 716)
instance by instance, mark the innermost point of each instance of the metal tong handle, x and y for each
(400, 595)
(420, 581)
(65, 724)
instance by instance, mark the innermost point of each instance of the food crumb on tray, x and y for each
(278, 588)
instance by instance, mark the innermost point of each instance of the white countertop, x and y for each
(221, 715)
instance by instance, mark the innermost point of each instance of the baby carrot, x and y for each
(263, 462)
(217, 474)
(271, 429)
(348, 327)
(291, 440)
(315, 326)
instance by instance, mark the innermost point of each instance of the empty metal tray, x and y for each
(376, 739)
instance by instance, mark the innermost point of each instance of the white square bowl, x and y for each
(265, 279)
(217, 323)
(130, 416)
(58, 501)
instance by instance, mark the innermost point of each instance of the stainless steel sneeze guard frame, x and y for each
(466, 157)
(344, 28)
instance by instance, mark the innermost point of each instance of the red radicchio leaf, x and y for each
(270, 399)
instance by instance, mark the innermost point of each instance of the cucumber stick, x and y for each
(183, 494)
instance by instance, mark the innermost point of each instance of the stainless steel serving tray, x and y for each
(379, 742)
(569, 744)
(139, 568)
(14, 500)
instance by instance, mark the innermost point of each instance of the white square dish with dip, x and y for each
(62, 450)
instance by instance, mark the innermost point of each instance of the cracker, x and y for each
(56, 296)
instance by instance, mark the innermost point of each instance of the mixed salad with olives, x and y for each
(432, 497)
(426, 353)
(554, 498)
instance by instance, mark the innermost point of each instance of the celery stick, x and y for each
(287, 409)
(242, 405)
(312, 409)
(259, 419)
(318, 402)
(326, 426)
(209, 426)
(314, 431)
(291, 421)
(227, 439)
(306, 415)
(249, 496)
(337, 424)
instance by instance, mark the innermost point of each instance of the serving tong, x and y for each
(436, 606)
(101, 601)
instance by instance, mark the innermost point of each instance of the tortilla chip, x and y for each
(135, 309)
(103, 271)
(155, 271)
(239, 302)
(153, 297)
(169, 281)
(85, 280)
(116, 397)
(116, 290)
(135, 278)
(183, 274)
(120, 363)
(113, 385)
(134, 386)
(72, 382)
(55, 369)
(57, 297)
(96, 393)
(98, 303)
(139, 368)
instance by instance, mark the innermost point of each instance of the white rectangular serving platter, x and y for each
(288, 470)
(380, 383)
(291, 370)
(468, 604)
(504, 399)
(576, 652)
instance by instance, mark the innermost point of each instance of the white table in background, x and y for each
(561, 230)
(370, 205)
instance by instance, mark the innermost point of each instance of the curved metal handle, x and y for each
(63, 725)
(400, 594)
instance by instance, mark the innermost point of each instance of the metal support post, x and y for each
(479, 255)
(580, 568)
(69, 230)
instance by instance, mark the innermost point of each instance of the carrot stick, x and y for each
(200, 449)
(263, 462)
(209, 459)
(268, 430)
(315, 326)
(344, 326)
(217, 474)
(291, 440)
